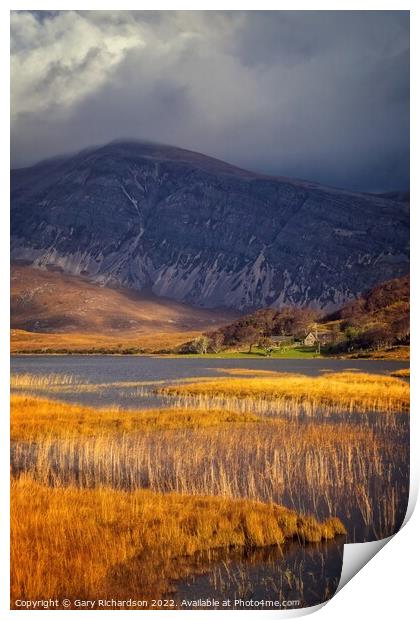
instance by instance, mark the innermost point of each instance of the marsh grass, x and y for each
(56, 384)
(343, 391)
(325, 469)
(41, 382)
(101, 496)
(37, 419)
(249, 372)
(403, 373)
(67, 541)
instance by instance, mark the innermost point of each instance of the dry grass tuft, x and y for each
(78, 543)
(403, 373)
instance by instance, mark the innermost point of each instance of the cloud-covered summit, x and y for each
(317, 95)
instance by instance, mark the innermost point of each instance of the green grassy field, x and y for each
(256, 353)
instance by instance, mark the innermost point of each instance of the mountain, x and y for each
(51, 301)
(54, 310)
(398, 196)
(198, 230)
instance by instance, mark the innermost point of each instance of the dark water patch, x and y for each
(287, 577)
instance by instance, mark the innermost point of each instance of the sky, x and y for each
(321, 95)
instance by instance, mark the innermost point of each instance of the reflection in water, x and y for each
(295, 575)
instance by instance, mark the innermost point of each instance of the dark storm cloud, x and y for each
(316, 95)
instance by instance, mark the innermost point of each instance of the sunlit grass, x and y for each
(403, 373)
(74, 542)
(34, 418)
(108, 502)
(23, 341)
(248, 372)
(345, 391)
(323, 468)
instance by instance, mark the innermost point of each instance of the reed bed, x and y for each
(307, 574)
(34, 419)
(42, 382)
(343, 391)
(75, 543)
(70, 384)
(101, 496)
(277, 408)
(324, 469)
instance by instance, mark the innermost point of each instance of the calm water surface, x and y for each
(107, 369)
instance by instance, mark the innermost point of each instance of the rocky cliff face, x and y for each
(200, 231)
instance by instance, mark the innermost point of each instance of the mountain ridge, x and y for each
(203, 232)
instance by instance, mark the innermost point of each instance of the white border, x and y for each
(387, 586)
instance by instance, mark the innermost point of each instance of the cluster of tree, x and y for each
(379, 319)
(288, 321)
(255, 330)
(200, 345)
(376, 336)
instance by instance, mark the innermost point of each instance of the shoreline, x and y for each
(192, 356)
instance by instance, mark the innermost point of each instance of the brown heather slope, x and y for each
(386, 303)
(77, 342)
(55, 311)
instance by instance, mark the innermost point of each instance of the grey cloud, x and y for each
(316, 95)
